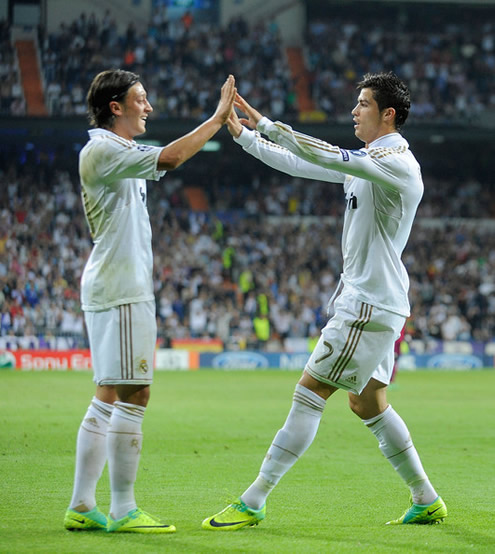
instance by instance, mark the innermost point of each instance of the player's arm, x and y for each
(272, 154)
(379, 166)
(177, 152)
(352, 162)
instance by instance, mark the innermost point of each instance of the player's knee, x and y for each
(356, 405)
(365, 407)
(134, 394)
(106, 393)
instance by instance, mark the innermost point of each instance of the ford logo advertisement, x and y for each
(239, 360)
(455, 361)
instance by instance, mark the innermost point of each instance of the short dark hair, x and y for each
(106, 87)
(389, 92)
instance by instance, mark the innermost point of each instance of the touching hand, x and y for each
(227, 97)
(234, 125)
(253, 115)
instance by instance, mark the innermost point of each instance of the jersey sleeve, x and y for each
(115, 159)
(284, 160)
(382, 166)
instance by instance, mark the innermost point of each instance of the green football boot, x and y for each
(423, 515)
(137, 521)
(85, 521)
(234, 516)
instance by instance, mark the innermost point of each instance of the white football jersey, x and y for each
(113, 173)
(383, 187)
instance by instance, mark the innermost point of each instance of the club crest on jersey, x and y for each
(143, 366)
(351, 201)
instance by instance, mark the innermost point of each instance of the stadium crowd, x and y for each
(180, 61)
(261, 264)
(251, 277)
(450, 66)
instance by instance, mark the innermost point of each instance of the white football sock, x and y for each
(288, 446)
(124, 441)
(91, 454)
(396, 445)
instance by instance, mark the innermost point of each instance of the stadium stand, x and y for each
(265, 238)
(450, 64)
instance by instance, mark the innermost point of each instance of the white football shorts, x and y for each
(356, 345)
(122, 341)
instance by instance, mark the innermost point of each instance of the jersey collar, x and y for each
(100, 133)
(392, 139)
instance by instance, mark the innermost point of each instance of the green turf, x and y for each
(206, 433)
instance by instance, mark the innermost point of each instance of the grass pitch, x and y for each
(205, 434)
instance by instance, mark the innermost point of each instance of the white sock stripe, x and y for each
(90, 430)
(399, 453)
(306, 397)
(104, 410)
(97, 417)
(132, 412)
(305, 402)
(372, 421)
(285, 450)
(131, 433)
(134, 407)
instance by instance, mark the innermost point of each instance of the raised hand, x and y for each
(234, 125)
(227, 97)
(253, 115)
